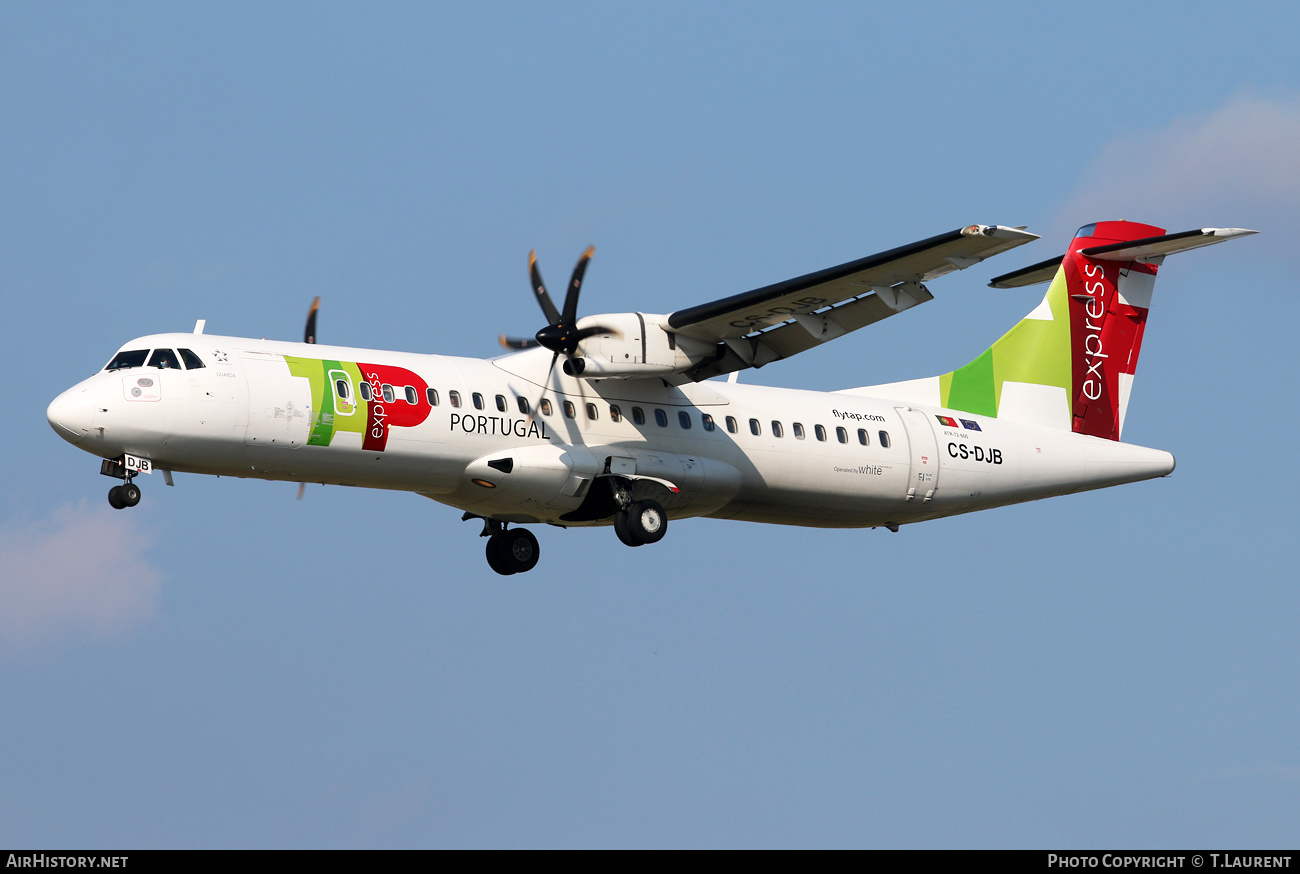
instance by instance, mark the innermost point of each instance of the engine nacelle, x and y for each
(636, 346)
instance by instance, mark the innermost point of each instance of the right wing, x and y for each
(777, 321)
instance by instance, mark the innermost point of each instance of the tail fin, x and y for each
(1070, 363)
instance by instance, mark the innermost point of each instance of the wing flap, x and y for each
(806, 330)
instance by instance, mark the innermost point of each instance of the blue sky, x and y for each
(227, 667)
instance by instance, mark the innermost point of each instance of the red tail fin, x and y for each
(1110, 292)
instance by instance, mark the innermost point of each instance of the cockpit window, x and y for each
(192, 361)
(164, 359)
(123, 360)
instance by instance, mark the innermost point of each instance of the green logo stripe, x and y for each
(1034, 351)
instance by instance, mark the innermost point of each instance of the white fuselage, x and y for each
(839, 459)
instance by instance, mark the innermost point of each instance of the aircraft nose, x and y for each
(71, 414)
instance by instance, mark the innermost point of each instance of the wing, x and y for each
(777, 321)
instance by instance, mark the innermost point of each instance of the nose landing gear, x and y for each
(125, 495)
(128, 493)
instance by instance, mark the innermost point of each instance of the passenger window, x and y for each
(501, 404)
(364, 391)
(344, 406)
(638, 416)
(884, 439)
(411, 397)
(546, 406)
(478, 401)
(842, 435)
(863, 438)
(454, 397)
(755, 428)
(592, 414)
(684, 419)
(707, 421)
(522, 403)
(388, 392)
(569, 412)
(820, 432)
(732, 426)
(123, 360)
(432, 395)
(615, 414)
(777, 430)
(191, 360)
(798, 431)
(164, 359)
(661, 418)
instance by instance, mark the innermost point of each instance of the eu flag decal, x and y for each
(970, 425)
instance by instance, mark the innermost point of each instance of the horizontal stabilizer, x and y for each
(1142, 250)
(1156, 247)
(1043, 271)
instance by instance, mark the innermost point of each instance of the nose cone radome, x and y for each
(71, 414)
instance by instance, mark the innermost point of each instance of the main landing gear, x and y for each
(636, 522)
(516, 551)
(513, 551)
(641, 522)
(509, 550)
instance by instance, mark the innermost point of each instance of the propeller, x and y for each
(309, 336)
(561, 334)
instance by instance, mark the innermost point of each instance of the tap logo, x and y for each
(368, 399)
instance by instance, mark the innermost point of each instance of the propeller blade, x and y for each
(539, 288)
(309, 335)
(546, 383)
(593, 330)
(302, 487)
(570, 314)
(516, 343)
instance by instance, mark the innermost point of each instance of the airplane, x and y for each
(634, 428)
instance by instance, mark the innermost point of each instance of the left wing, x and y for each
(777, 321)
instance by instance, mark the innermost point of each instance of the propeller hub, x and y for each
(558, 339)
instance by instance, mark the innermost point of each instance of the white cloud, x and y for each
(1235, 167)
(78, 573)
